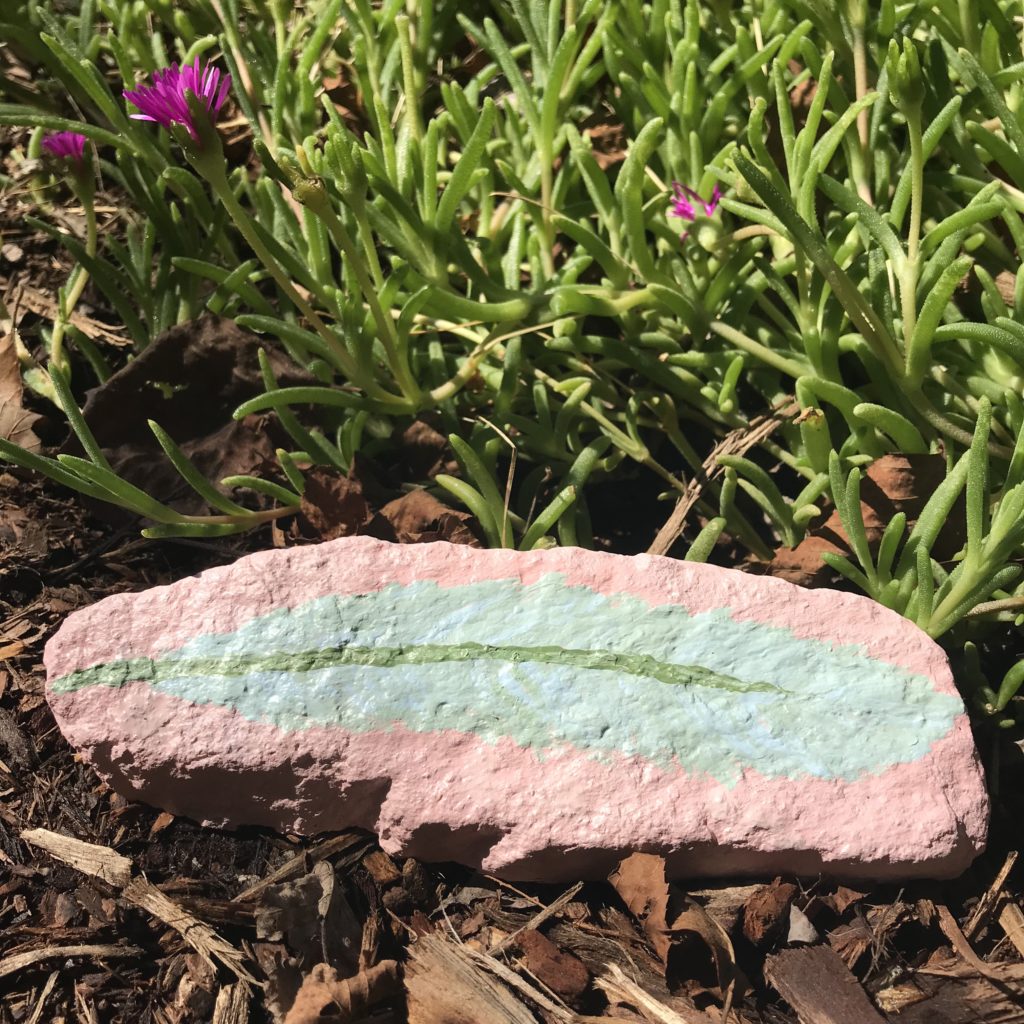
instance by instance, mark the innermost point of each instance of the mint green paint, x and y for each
(550, 665)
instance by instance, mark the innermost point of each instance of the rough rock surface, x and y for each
(538, 714)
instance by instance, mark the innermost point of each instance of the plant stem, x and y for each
(75, 291)
(412, 106)
(910, 270)
(262, 516)
(385, 325)
(762, 352)
(546, 191)
(860, 75)
(222, 189)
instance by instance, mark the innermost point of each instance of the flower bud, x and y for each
(906, 84)
(310, 192)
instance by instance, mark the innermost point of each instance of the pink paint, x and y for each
(509, 810)
(220, 600)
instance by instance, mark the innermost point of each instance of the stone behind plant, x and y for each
(538, 715)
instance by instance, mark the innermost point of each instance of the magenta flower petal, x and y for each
(66, 146)
(165, 100)
(686, 203)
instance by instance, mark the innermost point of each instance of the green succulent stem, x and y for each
(84, 190)
(318, 202)
(211, 166)
(911, 268)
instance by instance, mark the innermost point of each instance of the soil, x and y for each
(200, 925)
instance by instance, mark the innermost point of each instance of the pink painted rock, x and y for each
(538, 715)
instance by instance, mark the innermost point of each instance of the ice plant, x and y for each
(166, 100)
(66, 146)
(178, 97)
(686, 202)
(69, 148)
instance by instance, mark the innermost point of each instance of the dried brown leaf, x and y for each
(162, 820)
(672, 921)
(345, 999)
(640, 881)
(418, 518)
(892, 484)
(333, 505)
(843, 898)
(190, 380)
(16, 422)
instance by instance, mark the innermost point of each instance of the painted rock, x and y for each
(538, 715)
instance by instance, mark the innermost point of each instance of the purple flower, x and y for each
(66, 146)
(165, 102)
(685, 202)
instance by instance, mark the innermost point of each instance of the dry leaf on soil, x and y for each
(324, 997)
(190, 380)
(673, 922)
(16, 422)
(891, 484)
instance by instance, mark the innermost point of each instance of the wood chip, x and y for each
(232, 1006)
(947, 991)
(1011, 920)
(767, 911)
(621, 990)
(381, 867)
(987, 904)
(96, 861)
(37, 1013)
(445, 985)
(12, 964)
(514, 981)
(998, 973)
(562, 972)
(820, 987)
(108, 865)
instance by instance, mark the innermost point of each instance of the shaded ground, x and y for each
(169, 923)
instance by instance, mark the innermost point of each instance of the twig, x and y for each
(12, 964)
(300, 863)
(999, 973)
(538, 919)
(737, 442)
(507, 975)
(987, 904)
(43, 996)
(619, 988)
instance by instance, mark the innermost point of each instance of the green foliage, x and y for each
(458, 247)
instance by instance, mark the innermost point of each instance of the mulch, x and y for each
(112, 911)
